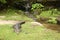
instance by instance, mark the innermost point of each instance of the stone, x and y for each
(36, 23)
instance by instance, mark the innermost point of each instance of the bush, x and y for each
(52, 20)
(3, 1)
(36, 6)
(37, 9)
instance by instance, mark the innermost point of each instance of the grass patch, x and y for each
(12, 14)
(29, 32)
(48, 14)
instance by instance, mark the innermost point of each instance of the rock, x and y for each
(36, 23)
(17, 27)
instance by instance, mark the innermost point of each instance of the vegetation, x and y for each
(3, 1)
(50, 13)
(29, 32)
(11, 14)
(52, 20)
(36, 6)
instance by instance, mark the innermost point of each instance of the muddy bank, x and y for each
(55, 27)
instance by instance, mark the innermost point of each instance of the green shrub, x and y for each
(52, 20)
(3, 1)
(37, 9)
(36, 6)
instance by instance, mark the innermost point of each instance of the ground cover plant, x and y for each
(11, 14)
(29, 32)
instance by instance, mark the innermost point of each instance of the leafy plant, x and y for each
(37, 9)
(52, 20)
(54, 11)
(3, 1)
(36, 6)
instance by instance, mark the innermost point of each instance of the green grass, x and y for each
(48, 14)
(28, 32)
(12, 14)
(17, 18)
(19, 15)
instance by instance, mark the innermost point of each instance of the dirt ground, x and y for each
(8, 22)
